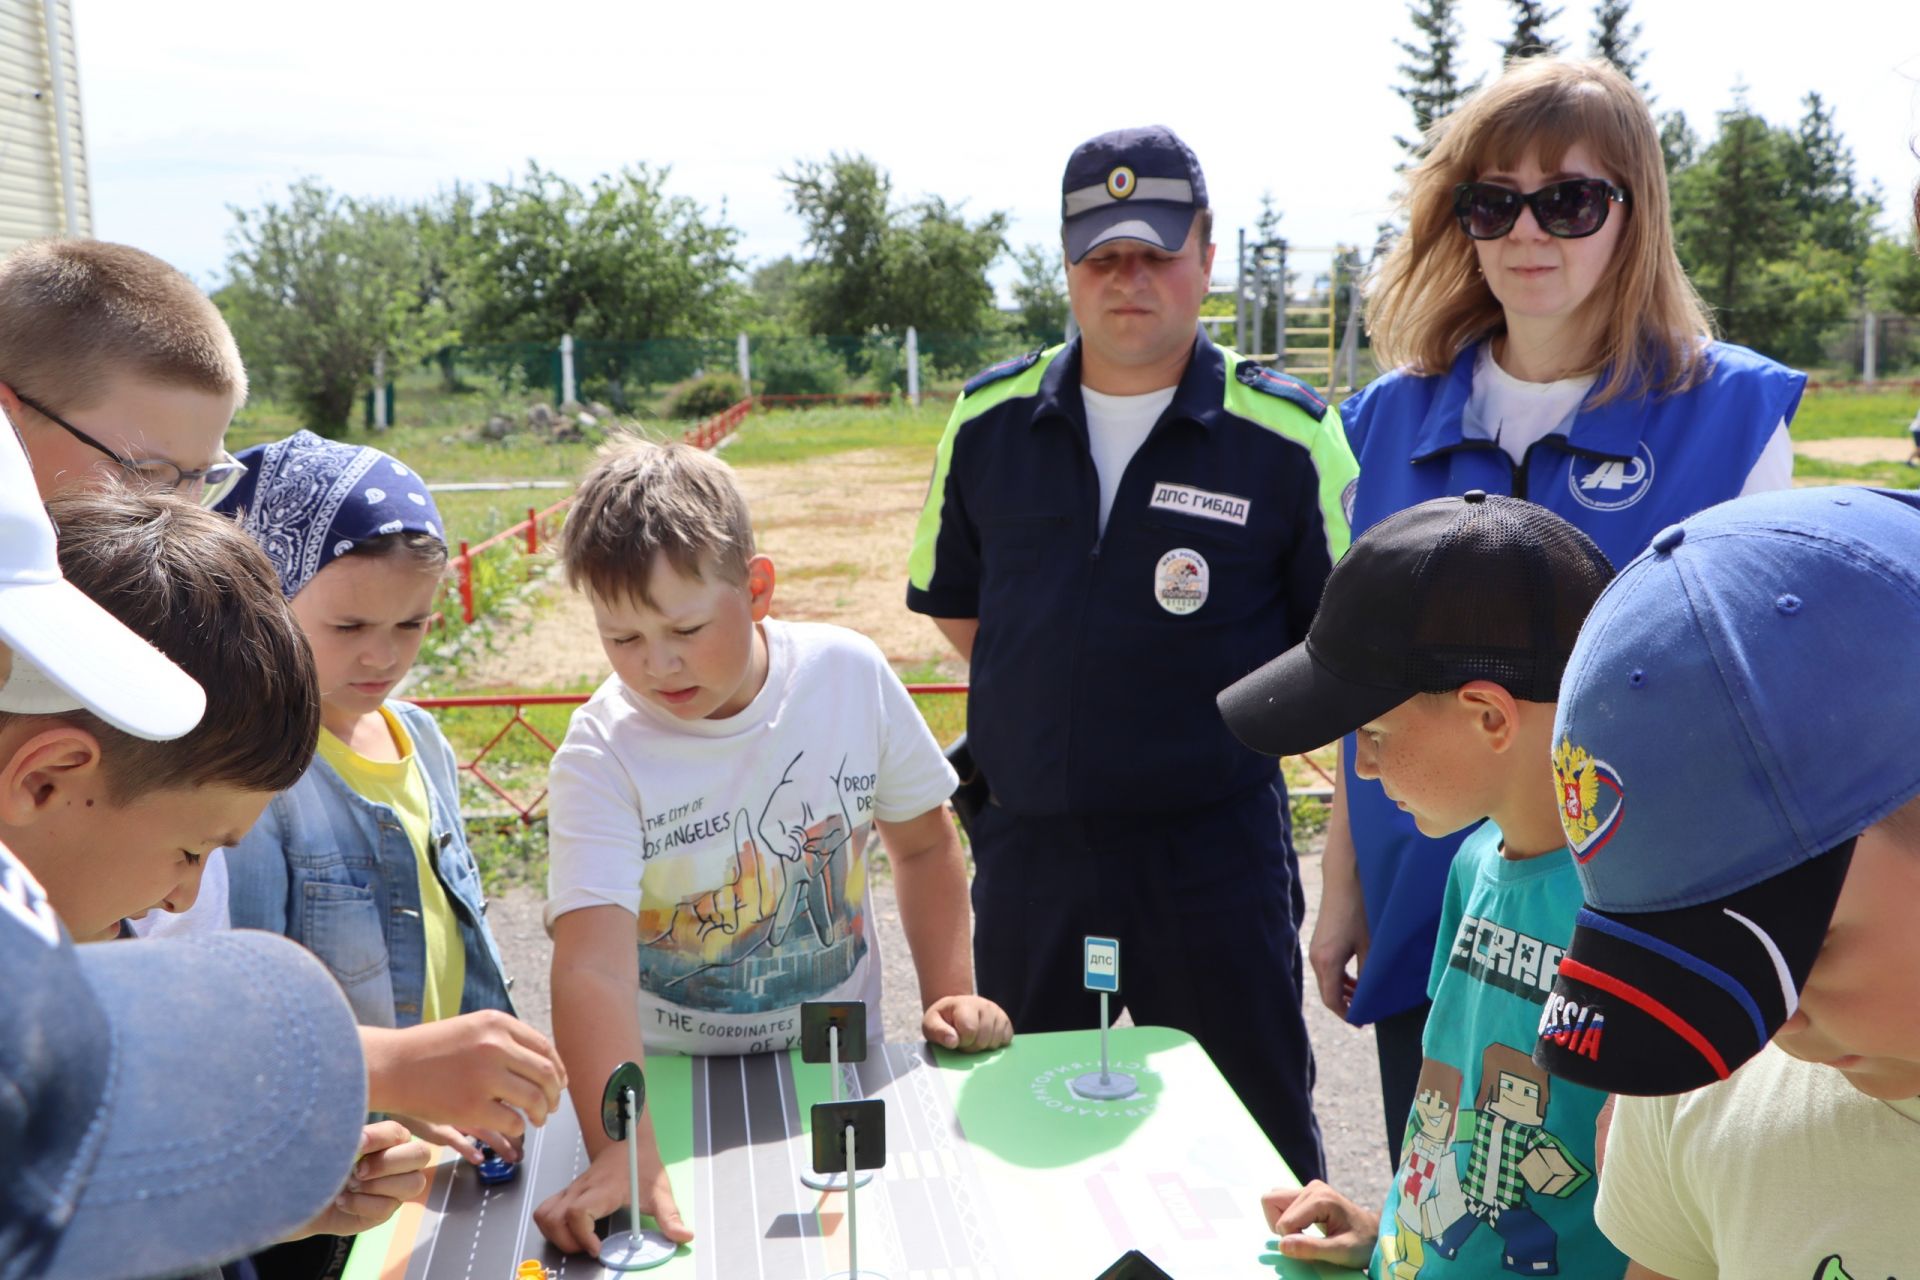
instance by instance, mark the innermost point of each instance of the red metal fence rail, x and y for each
(516, 703)
(528, 531)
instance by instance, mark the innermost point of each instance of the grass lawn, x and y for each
(1828, 415)
(790, 435)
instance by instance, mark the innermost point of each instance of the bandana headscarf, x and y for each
(309, 501)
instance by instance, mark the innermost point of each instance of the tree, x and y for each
(873, 266)
(1826, 196)
(1679, 144)
(1433, 87)
(773, 304)
(621, 260)
(1893, 275)
(845, 204)
(444, 228)
(935, 268)
(1040, 293)
(1733, 216)
(1613, 38)
(321, 285)
(1530, 19)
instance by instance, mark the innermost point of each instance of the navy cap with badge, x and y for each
(1724, 734)
(1131, 184)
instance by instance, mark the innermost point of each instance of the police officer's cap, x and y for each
(1131, 184)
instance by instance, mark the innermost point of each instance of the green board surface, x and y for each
(996, 1170)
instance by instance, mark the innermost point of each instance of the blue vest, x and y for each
(1621, 473)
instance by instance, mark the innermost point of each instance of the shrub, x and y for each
(798, 366)
(704, 396)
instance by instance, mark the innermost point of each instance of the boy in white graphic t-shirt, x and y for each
(714, 800)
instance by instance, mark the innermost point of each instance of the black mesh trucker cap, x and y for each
(1476, 587)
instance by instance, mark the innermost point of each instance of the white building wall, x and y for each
(32, 203)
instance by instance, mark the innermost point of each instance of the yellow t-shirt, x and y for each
(399, 785)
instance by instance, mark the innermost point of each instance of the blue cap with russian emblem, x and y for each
(1131, 184)
(1723, 735)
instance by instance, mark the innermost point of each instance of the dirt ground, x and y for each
(1855, 450)
(838, 530)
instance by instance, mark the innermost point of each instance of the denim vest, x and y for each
(337, 874)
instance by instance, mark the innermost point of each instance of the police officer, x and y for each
(1116, 530)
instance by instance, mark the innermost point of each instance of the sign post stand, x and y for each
(1103, 975)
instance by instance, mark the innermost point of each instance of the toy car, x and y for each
(493, 1170)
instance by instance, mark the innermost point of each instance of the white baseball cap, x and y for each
(69, 654)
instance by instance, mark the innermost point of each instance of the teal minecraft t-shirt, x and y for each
(1496, 1174)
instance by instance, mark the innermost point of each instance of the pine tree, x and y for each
(1530, 19)
(1433, 87)
(1733, 215)
(1826, 196)
(1613, 39)
(1679, 144)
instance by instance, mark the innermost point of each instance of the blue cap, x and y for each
(1723, 735)
(164, 1105)
(1131, 184)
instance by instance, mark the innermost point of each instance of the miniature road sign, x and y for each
(818, 1018)
(1101, 972)
(615, 1117)
(1103, 964)
(833, 1031)
(620, 1102)
(841, 1131)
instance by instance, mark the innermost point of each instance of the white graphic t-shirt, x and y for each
(740, 844)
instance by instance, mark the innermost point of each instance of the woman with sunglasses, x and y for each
(1547, 344)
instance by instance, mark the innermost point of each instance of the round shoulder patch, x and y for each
(1180, 581)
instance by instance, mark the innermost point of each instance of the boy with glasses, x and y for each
(116, 365)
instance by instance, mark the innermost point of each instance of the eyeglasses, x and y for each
(1568, 210)
(207, 485)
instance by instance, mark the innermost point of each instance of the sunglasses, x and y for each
(1567, 210)
(206, 485)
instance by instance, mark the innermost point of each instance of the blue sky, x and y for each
(191, 109)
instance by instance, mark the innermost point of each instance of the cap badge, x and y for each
(1180, 581)
(1120, 183)
(1592, 798)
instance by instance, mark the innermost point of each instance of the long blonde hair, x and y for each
(1428, 301)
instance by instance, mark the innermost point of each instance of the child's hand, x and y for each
(479, 1072)
(1348, 1231)
(567, 1217)
(389, 1171)
(466, 1145)
(971, 1024)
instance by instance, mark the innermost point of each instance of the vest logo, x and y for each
(1180, 581)
(1592, 798)
(1611, 484)
(1199, 502)
(1573, 1026)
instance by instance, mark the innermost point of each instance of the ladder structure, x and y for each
(1273, 328)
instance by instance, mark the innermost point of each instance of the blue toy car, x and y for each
(493, 1170)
